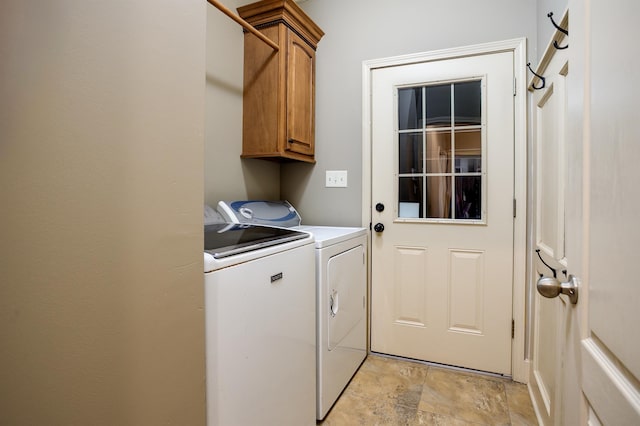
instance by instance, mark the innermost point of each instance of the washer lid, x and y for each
(227, 239)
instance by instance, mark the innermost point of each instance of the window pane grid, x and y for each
(458, 128)
(440, 171)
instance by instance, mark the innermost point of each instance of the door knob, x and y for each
(378, 227)
(550, 287)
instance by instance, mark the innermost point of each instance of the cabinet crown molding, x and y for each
(269, 12)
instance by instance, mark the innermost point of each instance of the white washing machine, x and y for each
(260, 325)
(341, 282)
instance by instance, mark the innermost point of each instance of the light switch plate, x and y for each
(336, 179)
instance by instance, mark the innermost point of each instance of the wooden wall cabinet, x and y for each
(279, 86)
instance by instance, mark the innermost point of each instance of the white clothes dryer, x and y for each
(341, 284)
(341, 291)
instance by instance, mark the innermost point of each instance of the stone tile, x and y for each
(391, 392)
(520, 406)
(353, 410)
(392, 381)
(406, 370)
(465, 396)
(432, 419)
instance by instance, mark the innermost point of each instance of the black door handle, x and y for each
(378, 227)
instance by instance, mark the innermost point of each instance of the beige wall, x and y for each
(101, 143)
(359, 30)
(227, 177)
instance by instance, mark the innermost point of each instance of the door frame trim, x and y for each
(519, 361)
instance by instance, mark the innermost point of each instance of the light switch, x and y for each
(336, 179)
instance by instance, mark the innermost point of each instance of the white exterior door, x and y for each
(592, 376)
(443, 189)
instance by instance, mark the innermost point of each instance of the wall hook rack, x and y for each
(537, 75)
(559, 28)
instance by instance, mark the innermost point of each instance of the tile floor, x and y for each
(388, 391)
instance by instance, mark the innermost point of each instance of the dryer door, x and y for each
(347, 288)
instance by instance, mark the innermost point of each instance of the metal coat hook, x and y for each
(546, 264)
(537, 75)
(562, 30)
(557, 46)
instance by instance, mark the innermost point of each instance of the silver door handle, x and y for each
(334, 303)
(550, 287)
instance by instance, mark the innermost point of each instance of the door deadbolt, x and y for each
(379, 207)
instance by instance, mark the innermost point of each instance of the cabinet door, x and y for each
(300, 95)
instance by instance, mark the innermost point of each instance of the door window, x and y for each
(440, 152)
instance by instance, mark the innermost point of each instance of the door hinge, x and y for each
(513, 328)
(514, 207)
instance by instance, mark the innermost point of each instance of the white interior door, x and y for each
(587, 355)
(443, 189)
(609, 356)
(550, 260)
